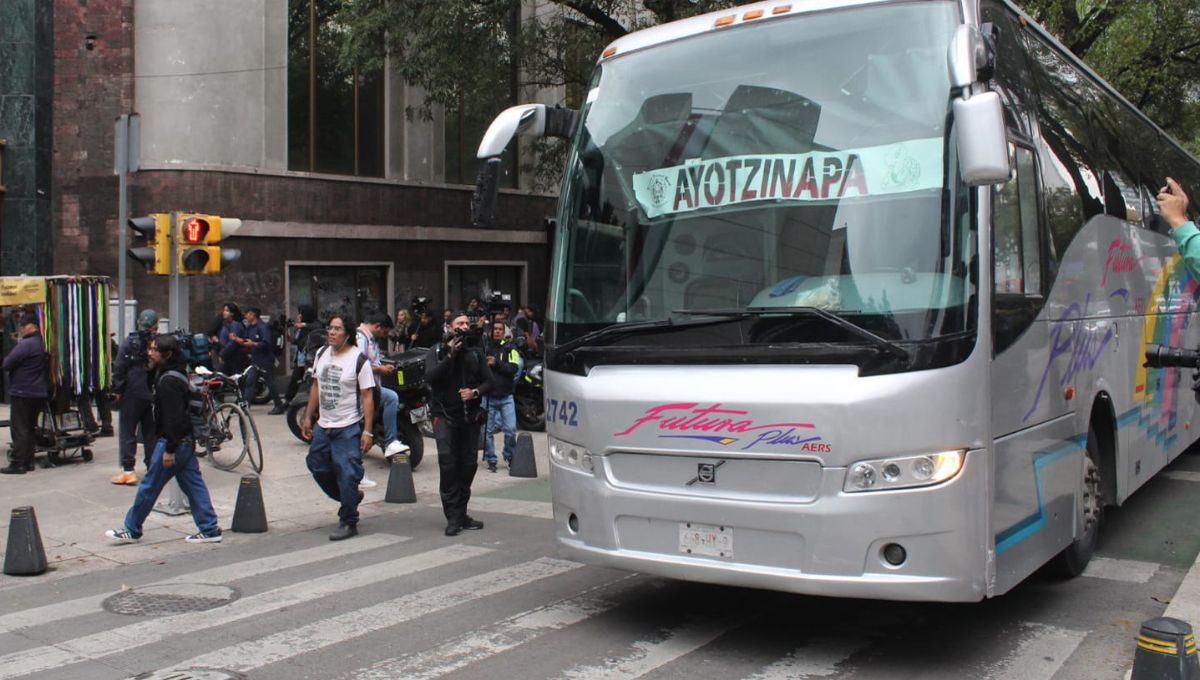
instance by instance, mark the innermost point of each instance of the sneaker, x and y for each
(471, 523)
(122, 536)
(394, 448)
(492, 466)
(126, 478)
(106, 431)
(278, 410)
(213, 536)
(343, 532)
(367, 483)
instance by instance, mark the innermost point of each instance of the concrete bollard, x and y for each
(175, 504)
(523, 463)
(25, 555)
(249, 514)
(1166, 650)
(400, 487)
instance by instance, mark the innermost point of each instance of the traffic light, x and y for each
(155, 253)
(195, 236)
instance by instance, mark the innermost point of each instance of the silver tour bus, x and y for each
(852, 298)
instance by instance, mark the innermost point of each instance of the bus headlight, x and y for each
(571, 456)
(903, 472)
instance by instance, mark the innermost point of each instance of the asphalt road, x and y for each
(401, 600)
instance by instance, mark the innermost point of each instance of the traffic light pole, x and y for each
(178, 295)
(126, 159)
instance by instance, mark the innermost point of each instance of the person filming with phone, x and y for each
(1173, 207)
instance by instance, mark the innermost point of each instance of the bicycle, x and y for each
(232, 435)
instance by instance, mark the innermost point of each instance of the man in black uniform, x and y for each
(457, 375)
(131, 383)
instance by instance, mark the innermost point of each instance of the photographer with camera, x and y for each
(458, 376)
(135, 401)
(428, 333)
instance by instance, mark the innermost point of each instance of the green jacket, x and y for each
(1187, 238)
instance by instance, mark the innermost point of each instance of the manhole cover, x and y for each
(172, 598)
(191, 674)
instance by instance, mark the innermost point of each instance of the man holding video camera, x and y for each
(458, 376)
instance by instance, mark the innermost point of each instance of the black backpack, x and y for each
(196, 405)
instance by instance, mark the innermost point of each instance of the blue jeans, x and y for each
(502, 415)
(187, 471)
(335, 461)
(391, 406)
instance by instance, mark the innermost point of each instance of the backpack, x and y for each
(196, 405)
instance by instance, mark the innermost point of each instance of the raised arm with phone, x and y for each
(1172, 206)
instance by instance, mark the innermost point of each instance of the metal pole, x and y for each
(179, 292)
(121, 167)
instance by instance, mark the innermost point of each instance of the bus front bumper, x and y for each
(833, 544)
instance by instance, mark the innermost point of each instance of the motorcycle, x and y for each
(530, 398)
(413, 410)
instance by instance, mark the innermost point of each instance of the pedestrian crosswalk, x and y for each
(385, 606)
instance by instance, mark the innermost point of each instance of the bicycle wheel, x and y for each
(230, 435)
(253, 444)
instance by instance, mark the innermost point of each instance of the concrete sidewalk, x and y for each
(75, 502)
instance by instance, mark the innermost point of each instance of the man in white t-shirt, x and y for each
(343, 386)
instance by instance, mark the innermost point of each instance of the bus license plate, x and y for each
(703, 539)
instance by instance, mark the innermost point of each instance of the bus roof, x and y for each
(726, 18)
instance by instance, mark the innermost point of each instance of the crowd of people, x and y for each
(473, 357)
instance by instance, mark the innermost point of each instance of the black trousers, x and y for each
(103, 409)
(294, 384)
(23, 417)
(457, 464)
(136, 412)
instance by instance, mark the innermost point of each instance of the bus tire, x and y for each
(1075, 557)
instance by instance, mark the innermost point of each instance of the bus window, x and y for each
(1018, 259)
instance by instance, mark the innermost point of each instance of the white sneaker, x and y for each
(120, 536)
(394, 448)
(367, 483)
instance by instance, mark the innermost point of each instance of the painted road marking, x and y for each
(253, 654)
(498, 638)
(1041, 652)
(508, 506)
(1182, 475)
(1130, 571)
(120, 640)
(83, 606)
(817, 659)
(649, 655)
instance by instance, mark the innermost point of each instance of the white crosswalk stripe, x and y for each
(651, 654)
(1130, 571)
(501, 637)
(818, 659)
(253, 654)
(1182, 475)
(60, 611)
(1040, 653)
(120, 639)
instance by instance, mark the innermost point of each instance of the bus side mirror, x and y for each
(982, 145)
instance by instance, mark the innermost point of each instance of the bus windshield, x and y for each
(794, 163)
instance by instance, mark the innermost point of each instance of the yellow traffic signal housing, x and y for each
(155, 252)
(195, 236)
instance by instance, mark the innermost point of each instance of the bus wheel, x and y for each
(1075, 557)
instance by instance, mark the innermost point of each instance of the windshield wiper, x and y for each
(618, 329)
(880, 342)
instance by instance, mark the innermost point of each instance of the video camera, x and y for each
(498, 301)
(419, 305)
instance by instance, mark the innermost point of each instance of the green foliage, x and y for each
(1148, 50)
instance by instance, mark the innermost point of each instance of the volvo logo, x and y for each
(706, 473)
